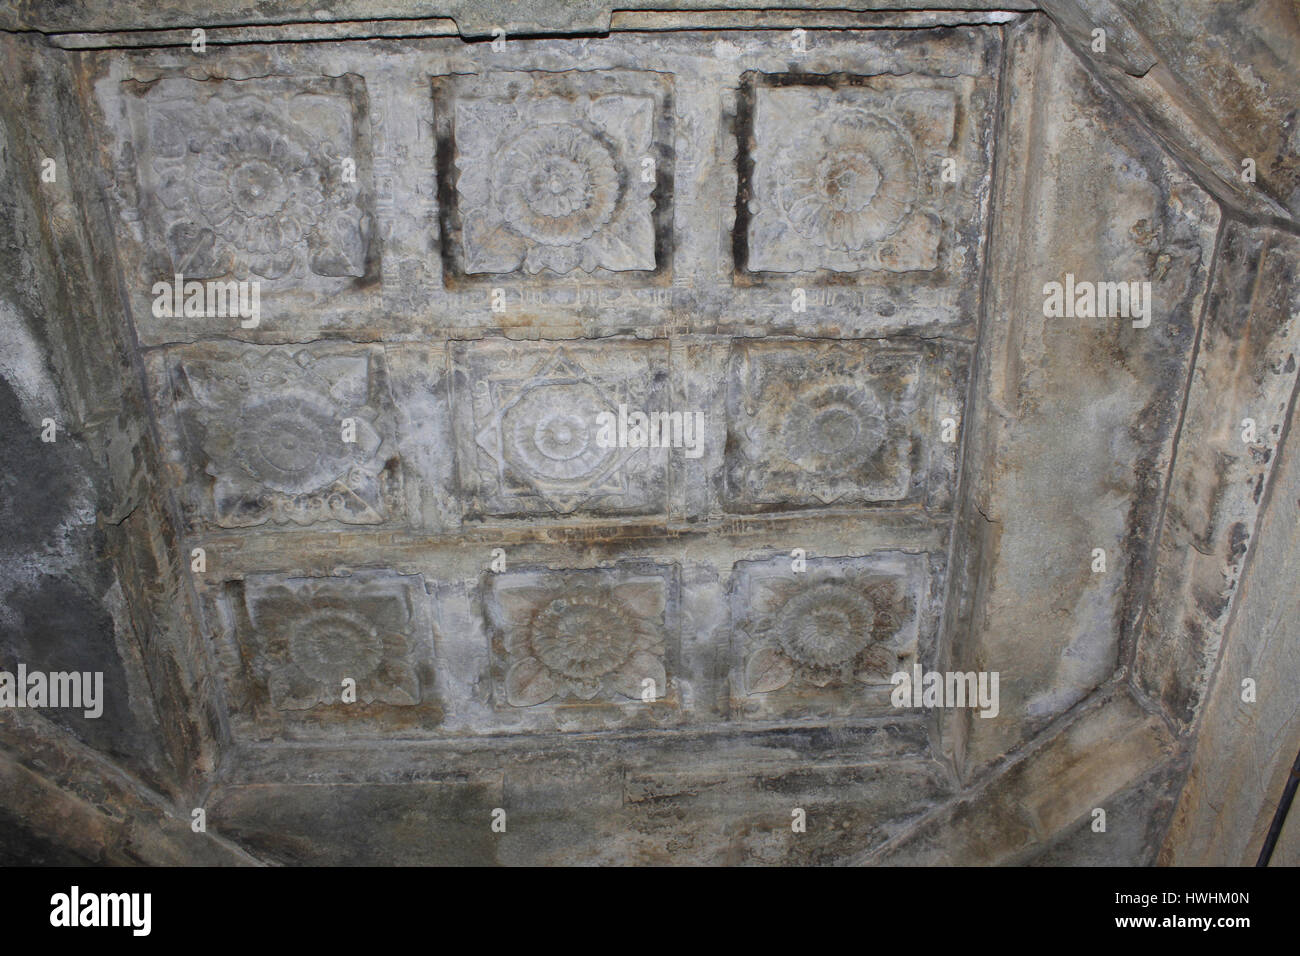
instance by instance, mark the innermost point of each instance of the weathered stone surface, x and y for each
(286, 436)
(419, 824)
(66, 600)
(475, 18)
(452, 649)
(266, 180)
(1075, 418)
(1136, 820)
(823, 240)
(1245, 370)
(1246, 747)
(95, 813)
(1215, 103)
(1089, 765)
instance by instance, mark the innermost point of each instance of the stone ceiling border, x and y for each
(475, 18)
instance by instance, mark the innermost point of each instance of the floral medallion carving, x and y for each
(825, 633)
(851, 183)
(578, 636)
(256, 179)
(289, 436)
(548, 173)
(835, 428)
(558, 185)
(842, 177)
(830, 636)
(259, 191)
(304, 637)
(530, 439)
(850, 434)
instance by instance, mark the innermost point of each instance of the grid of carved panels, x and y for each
(470, 262)
(692, 184)
(440, 439)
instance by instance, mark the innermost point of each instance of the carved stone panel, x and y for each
(864, 175)
(550, 173)
(822, 424)
(311, 652)
(825, 641)
(529, 422)
(263, 180)
(596, 648)
(611, 187)
(280, 435)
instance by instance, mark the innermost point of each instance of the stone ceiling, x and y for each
(364, 578)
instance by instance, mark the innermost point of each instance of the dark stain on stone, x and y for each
(445, 182)
(63, 628)
(1211, 603)
(743, 128)
(21, 845)
(1238, 538)
(36, 482)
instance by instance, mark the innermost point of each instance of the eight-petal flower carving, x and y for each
(289, 438)
(825, 631)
